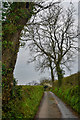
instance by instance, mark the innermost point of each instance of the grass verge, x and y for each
(25, 102)
(69, 92)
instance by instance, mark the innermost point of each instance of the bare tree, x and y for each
(43, 62)
(53, 34)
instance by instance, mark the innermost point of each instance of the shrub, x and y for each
(25, 103)
(71, 96)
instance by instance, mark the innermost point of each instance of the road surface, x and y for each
(52, 107)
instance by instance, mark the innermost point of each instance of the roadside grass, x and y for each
(25, 102)
(69, 92)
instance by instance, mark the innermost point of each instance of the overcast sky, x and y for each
(26, 73)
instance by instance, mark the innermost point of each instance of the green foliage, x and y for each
(10, 29)
(25, 102)
(70, 96)
(13, 13)
(4, 69)
(4, 44)
(17, 18)
(19, 27)
(69, 91)
(7, 44)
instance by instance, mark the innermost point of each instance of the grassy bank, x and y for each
(24, 103)
(69, 92)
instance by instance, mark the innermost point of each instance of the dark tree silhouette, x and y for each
(53, 34)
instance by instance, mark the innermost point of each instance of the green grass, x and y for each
(26, 103)
(69, 92)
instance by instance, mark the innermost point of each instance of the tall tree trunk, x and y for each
(59, 74)
(52, 76)
(51, 68)
(11, 37)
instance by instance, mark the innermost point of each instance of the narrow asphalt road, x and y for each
(52, 107)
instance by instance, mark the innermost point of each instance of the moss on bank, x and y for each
(17, 15)
(24, 103)
(69, 92)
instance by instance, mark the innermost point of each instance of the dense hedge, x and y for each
(24, 103)
(71, 96)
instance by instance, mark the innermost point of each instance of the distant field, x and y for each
(26, 103)
(69, 92)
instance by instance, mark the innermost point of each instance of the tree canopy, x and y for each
(52, 37)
